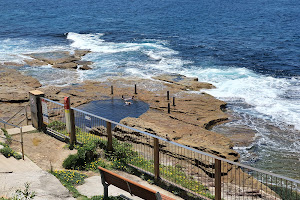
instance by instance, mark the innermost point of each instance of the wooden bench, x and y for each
(111, 178)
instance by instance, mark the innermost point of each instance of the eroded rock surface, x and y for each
(15, 86)
(60, 59)
(185, 83)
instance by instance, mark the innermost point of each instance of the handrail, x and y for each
(4, 122)
(21, 134)
(15, 114)
(26, 115)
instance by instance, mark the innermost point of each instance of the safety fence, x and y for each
(199, 174)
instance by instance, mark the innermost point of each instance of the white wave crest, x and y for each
(277, 98)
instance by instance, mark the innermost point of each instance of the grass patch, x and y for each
(9, 152)
(70, 179)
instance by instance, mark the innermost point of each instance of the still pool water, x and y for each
(115, 109)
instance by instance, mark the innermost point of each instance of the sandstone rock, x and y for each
(13, 64)
(35, 62)
(56, 57)
(69, 65)
(83, 62)
(80, 53)
(85, 67)
(186, 83)
(15, 86)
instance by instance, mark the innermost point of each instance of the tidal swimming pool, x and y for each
(115, 109)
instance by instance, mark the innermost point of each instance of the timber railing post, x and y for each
(36, 109)
(70, 121)
(109, 136)
(156, 158)
(22, 143)
(218, 179)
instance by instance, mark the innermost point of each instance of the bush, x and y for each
(8, 152)
(86, 154)
(57, 125)
(73, 162)
(8, 137)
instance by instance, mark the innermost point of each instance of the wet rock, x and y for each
(56, 57)
(80, 53)
(35, 62)
(187, 83)
(85, 67)
(13, 64)
(70, 65)
(83, 62)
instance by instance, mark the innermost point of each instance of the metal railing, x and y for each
(19, 117)
(21, 135)
(196, 172)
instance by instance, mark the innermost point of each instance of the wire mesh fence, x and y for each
(199, 174)
(54, 117)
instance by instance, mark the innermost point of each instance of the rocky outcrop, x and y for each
(34, 62)
(69, 65)
(15, 86)
(60, 59)
(186, 83)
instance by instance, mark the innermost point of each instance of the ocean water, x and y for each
(250, 50)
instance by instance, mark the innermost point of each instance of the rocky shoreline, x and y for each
(188, 122)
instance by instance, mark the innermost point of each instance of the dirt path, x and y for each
(43, 150)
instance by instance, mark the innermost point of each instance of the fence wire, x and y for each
(188, 169)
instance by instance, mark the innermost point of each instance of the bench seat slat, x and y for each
(137, 189)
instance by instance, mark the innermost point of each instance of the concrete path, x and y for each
(14, 131)
(15, 173)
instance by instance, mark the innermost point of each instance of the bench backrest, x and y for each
(128, 185)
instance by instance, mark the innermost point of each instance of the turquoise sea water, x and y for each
(249, 49)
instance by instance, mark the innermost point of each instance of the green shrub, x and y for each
(85, 155)
(17, 156)
(73, 162)
(57, 125)
(8, 137)
(7, 152)
(26, 194)
(4, 144)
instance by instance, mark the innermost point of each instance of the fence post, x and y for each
(26, 115)
(109, 136)
(36, 109)
(135, 89)
(70, 121)
(156, 158)
(218, 179)
(22, 143)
